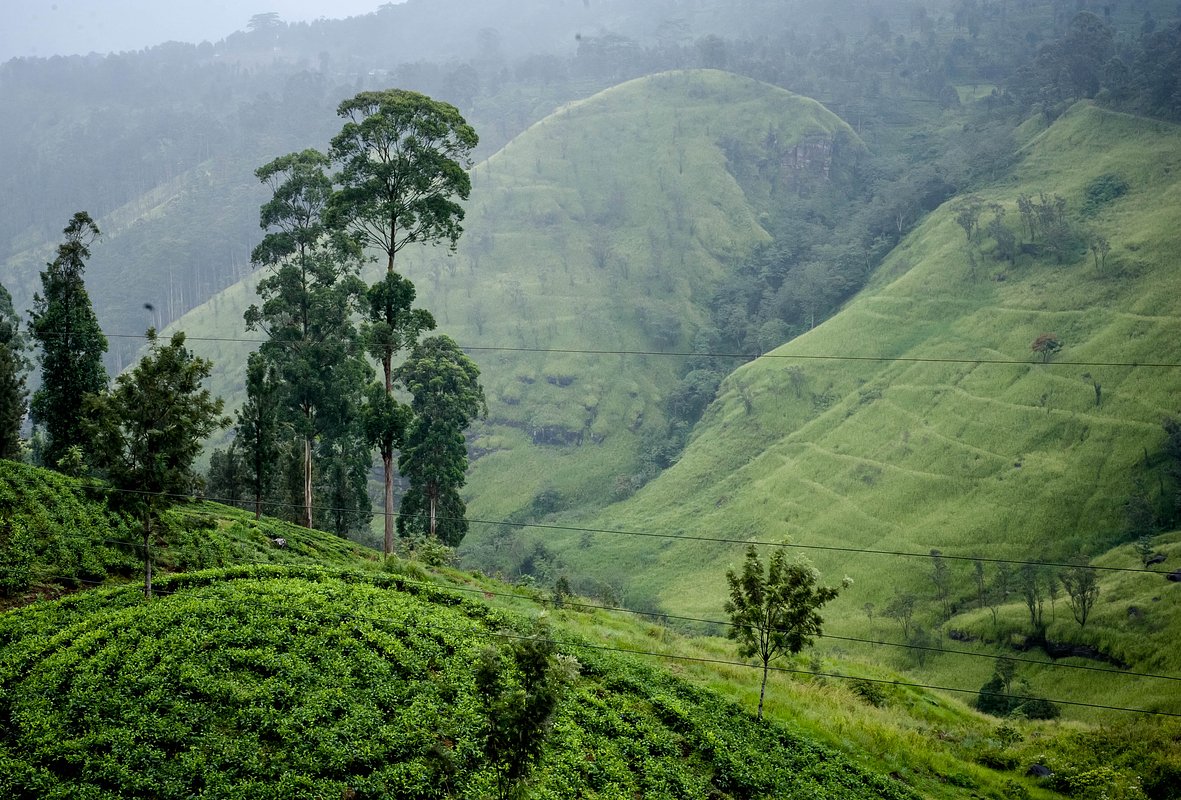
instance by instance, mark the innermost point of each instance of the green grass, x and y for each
(1004, 460)
(58, 535)
(1007, 460)
(229, 658)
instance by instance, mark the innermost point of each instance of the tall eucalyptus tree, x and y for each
(70, 341)
(307, 304)
(13, 396)
(403, 163)
(446, 397)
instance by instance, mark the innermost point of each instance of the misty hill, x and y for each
(918, 418)
(602, 228)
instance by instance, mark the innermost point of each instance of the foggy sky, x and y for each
(68, 27)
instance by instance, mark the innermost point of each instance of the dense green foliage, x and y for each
(60, 534)
(70, 344)
(308, 299)
(446, 397)
(267, 682)
(13, 365)
(149, 429)
(404, 161)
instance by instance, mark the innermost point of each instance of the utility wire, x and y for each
(727, 662)
(678, 537)
(723, 623)
(732, 356)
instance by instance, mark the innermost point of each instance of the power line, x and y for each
(730, 356)
(727, 662)
(674, 536)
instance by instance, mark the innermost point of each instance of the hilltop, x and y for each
(603, 227)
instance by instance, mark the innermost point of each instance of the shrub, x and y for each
(1103, 190)
(17, 556)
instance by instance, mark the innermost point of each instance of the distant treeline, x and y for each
(160, 143)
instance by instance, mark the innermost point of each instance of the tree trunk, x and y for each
(147, 556)
(307, 482)
(387, 459)
(762, 691)
(432, 515)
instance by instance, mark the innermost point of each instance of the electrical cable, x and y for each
(735, 356)
(681, 537)
(726, 662)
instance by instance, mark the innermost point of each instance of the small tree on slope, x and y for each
(148, 431)
(776, 611)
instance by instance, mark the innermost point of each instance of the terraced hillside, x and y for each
(296, 683)
(918, 418)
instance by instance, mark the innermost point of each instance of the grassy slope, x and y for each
(261, 631)
(57, 534)
(635, 174)
(999, 460)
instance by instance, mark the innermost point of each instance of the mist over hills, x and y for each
(734, 272)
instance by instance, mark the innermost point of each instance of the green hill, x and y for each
(57, 535)
(601, 228)
(306, 672)
(918, 418)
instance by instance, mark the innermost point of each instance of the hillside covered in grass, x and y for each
(603, 227)
(307, 671)
(918, 418)
(58, 534)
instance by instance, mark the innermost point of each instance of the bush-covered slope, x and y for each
(918, 418)
(57, 533)
(295, 683)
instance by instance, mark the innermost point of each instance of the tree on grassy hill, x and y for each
(1032, 582)
(1082, 589)
(1046, 345)
(403, 157)
(776, 611)
(260, 431)
(942, 579)
(226, 478)
(308, 301)
(1003, 695)
(13, 397)
(71, 344)
(148, 431)
(1173, 467)
(446, 397)
(901, 609)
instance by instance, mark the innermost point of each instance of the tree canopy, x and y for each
(148, 430)
(404, 160)
(70, 341)
(775, 611)
(446, 396)
(13, 396)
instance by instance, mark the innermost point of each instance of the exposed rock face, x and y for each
(812, 155)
